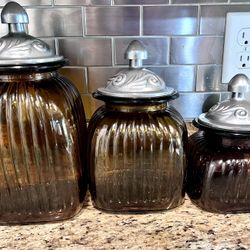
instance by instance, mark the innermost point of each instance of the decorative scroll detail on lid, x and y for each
(19, 48)
(222, 111)
(22, 48)
(136, 82)
(231, 114)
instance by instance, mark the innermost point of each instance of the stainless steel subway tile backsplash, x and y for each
(157, 50)
(242, 1)
(98, 76)
(181, 78)
(191, 105)
(113, 21)
(86, 51)
(213, 17)
(55, 22)
(50, 42)
(131, 2)
(77, 76)
(170, 20)
(198, 1)
(184, 39)
(28, 2)
(3, 29)
(82, 2)
(90, 105)
(196, 50)
(209, 78)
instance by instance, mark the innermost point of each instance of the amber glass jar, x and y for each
(137, 149)
(219, 155)
(42, 133)
(218, 172)
(137, 158)
(41, 137)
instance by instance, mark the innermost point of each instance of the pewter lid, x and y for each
(232, 114)
(19, 48)
(136, 82)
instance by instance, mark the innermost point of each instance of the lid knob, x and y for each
(16, 16)
(136, 53)
(17, 48)
(239, 85)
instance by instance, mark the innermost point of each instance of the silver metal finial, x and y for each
(136, 53)
(239, 85)
(15, 16)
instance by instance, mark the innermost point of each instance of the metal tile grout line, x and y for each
(86, 79)
(168, 40)
(57, 46)
(198, 20)
(141, 21)
(113, 52)
(53, 5)
(196, 77)
(169, 4)
(84, 21)
(134, 37)
(147, 66)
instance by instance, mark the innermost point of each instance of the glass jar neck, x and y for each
(137, 107)
(229, 141)
(236, 142)
(26, 76)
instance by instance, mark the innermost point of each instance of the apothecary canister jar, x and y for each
(137, 142)
(218, 176)
(42, 129)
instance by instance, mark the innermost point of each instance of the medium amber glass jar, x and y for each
(137, 145)
(219, 154)
(42, 130)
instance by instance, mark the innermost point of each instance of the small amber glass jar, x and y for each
(219, 154)
(137, 145)
(42, 131)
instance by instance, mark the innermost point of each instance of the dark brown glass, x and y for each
(137, 157)
(218, 174)
(42, 134)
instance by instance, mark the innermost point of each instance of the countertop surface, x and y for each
(185, 227)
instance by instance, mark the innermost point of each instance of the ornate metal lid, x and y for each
(232, 114)
(136, 82)
(19, 48)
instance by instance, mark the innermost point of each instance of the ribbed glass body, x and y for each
(218, 175)
(137, 157)
(42, 131)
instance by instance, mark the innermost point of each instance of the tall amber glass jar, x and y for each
(137, 142)
(42, 130)
(219, 154)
